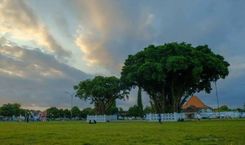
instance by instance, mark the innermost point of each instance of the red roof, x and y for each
(194, 101)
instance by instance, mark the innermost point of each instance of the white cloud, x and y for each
(18, 21)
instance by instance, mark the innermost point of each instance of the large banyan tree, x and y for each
(171, 72)
(102, 92)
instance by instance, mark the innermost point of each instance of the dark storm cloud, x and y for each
(31, 77)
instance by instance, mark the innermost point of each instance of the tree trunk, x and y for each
(139, 101)
(158, 102)
(100, 107)
(108, 105)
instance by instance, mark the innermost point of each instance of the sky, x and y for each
(48, 46)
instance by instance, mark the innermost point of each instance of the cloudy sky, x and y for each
(47, 46)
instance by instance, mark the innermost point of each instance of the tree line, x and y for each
(74, 112)
(168, 73)
(9, 110)
(14, 110)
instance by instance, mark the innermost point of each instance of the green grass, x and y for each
(226, 132)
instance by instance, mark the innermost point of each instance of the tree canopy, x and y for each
(87, 111)
(102, 92)
(171, 72)
(135, 111)
(10, 110)
(75, 111)
(53, 113)
(223, 108)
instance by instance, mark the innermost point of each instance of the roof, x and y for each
(194, 101)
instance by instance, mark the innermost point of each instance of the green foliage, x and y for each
(148, 110)
(113, 109)
(53, 113)
(76, 112)
(61, 113)
(239, 110)
(87, 111)
(66, 113)
(224, 108)
(135, 111)
(10, 110)
(171, 72)
(23, 112)
(102, 92)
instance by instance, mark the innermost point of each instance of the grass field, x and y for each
(227, 132)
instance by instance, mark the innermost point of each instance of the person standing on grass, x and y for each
(27, 118)
(159, 118)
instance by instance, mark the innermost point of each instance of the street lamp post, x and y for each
(71, 95)
(217, 97)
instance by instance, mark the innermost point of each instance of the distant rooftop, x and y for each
(194, 101)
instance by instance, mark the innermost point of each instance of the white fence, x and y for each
(222, 114)
(165, 117)
(171, 116)
(178, 116)
(101, 118)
